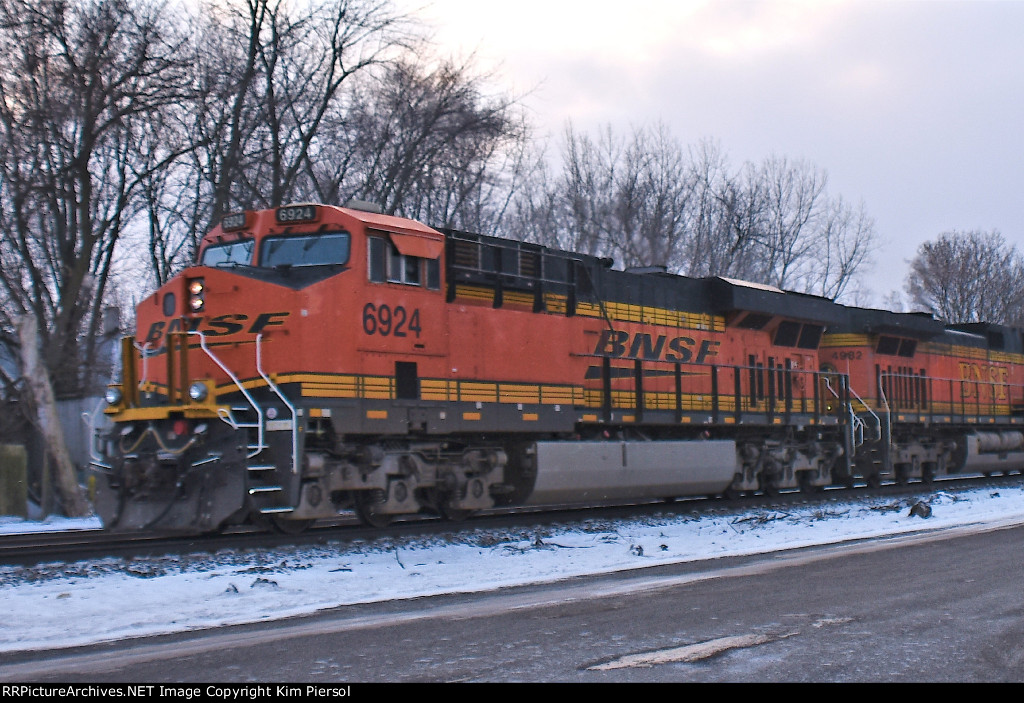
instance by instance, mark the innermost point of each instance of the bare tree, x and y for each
(625, 198)
(793, 195)
(721, 217)
(269, 77)
(429, 144)
(842, 244)
(972, 276)
(584, 192)
(729, 247)
(648, 201)
(78, 84)
(652, 205)
(40, 391)
(534, 214)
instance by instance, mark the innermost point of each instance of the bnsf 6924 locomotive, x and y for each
(320, 359)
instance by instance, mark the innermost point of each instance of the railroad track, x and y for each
(83, 545)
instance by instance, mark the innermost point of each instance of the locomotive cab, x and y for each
(230, 352)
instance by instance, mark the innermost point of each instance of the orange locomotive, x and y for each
(937, 399)
(320, 359)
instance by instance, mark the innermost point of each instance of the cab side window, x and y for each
(378, 259)
(387, 265)
(403, 269)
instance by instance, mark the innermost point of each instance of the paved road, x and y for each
(945, 607)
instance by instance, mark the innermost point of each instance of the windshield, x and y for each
(321, 249)
(230, 254)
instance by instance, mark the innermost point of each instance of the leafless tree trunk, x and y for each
(37, 378)
(281, 76)
(733, 244)
(717, 220)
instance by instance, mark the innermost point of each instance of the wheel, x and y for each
(732, 493)
(927, 473)
(289, 527)
(902, 475)
(844, 479)
(806, 485)
(454, 514)
(365, 503)
(440, 503)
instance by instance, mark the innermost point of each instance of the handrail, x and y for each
(854, 418)
(90, 419)
(277, 391)
(888, 410)
(144, 355)
(225, 415)
(878, 420)
(969, 388)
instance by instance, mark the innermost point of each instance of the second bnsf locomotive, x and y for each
(317, 360)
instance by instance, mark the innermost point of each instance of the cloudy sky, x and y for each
(915, 107)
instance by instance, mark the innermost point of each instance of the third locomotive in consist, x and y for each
(320, 359)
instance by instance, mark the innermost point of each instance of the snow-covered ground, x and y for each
(61, 605)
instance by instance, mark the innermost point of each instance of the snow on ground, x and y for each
(62, 605)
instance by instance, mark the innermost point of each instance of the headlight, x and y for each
(196, 294)
(113, 396)
(198, 392)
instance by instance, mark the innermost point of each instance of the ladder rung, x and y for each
(264, 489)
(283, 509)
(262, 467)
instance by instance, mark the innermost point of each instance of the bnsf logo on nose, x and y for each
(219, 326)
(617, 343)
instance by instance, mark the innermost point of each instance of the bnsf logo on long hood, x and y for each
(219, 326)
(617, 343)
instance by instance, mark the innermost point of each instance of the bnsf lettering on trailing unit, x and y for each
(616, 343)
(220, 326)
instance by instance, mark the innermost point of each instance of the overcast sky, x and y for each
(914, 107)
